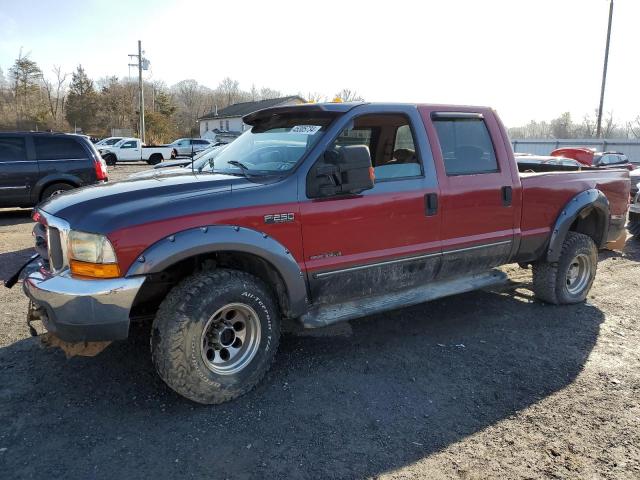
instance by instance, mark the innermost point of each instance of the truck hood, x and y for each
(159, 172)
(111, 206)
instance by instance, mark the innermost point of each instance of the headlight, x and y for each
(92, 255)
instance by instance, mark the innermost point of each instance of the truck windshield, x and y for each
(272, 147)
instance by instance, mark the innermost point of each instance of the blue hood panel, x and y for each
(111, 206)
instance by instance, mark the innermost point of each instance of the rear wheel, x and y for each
(570, 279)
(215, 335)
(110, 160)
(634, 224)
(154, 159)
(55, 189)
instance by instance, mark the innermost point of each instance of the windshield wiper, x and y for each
(241, 166)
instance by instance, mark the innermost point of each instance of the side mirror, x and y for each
(347, 171)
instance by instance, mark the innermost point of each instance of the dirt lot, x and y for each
(482, 385)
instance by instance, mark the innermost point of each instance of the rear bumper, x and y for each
(82, 310)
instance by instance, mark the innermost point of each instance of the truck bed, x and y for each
(544, 195)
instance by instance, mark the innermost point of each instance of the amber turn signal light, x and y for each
(94, 270)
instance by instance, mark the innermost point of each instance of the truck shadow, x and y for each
(632, 248)
(15, 217)
(369, 397)
(11, 261)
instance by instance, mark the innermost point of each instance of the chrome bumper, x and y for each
(82, 310)
(635, 207)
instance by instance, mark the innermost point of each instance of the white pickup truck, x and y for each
(133, 150)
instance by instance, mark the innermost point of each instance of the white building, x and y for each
(229, 119)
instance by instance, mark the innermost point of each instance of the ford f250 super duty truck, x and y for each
(319, 213)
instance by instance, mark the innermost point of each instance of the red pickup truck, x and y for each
(318, 214)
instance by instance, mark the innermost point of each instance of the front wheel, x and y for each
(570, 279)
(215, 335)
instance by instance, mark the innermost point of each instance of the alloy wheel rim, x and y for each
(578, 274)
(230, 338)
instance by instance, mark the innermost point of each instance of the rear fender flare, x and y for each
(210, 239)
(592, 198)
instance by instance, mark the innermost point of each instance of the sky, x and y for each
(528, 59)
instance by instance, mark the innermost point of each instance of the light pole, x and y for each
(604, 71)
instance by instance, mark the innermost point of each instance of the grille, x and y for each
(55, 249)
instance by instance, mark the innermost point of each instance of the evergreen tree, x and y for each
(82, 101)
(24, 75)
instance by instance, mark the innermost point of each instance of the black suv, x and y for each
(37, 165)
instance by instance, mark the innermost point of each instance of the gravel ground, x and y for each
(481, 385)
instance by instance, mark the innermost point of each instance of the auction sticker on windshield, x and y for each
(306, 129)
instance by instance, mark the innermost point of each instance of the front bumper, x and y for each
(82, 310)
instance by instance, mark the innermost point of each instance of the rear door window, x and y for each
(12, 149)
(466, 146)
(58, 148)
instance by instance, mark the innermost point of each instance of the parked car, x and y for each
(133, 150)
(186, 161)
(190, 146)
(107, 142)
(320, 213)
(592, 158)
(634, 208)
(36, 165)
(203, 162)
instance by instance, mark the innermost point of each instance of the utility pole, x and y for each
(143, 64)
(604, 71)
(142, 91)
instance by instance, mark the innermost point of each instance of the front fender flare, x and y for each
(592, 198)
(208, 239)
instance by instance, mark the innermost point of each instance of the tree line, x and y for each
(564, 126)
(33, 99)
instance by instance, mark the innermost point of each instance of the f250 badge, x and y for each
(279, 218)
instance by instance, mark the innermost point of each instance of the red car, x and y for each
(591, 158)
(319, 213)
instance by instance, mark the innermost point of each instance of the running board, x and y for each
(324, 315)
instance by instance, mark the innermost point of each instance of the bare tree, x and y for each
(268, 93)
(229, 90)
(314, 97)
(55, 93)
(253, 93)
(348, 95)
(634, 127)
(562, 127)
(609, 126)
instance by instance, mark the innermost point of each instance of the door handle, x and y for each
(431, 204)
(507, 196)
